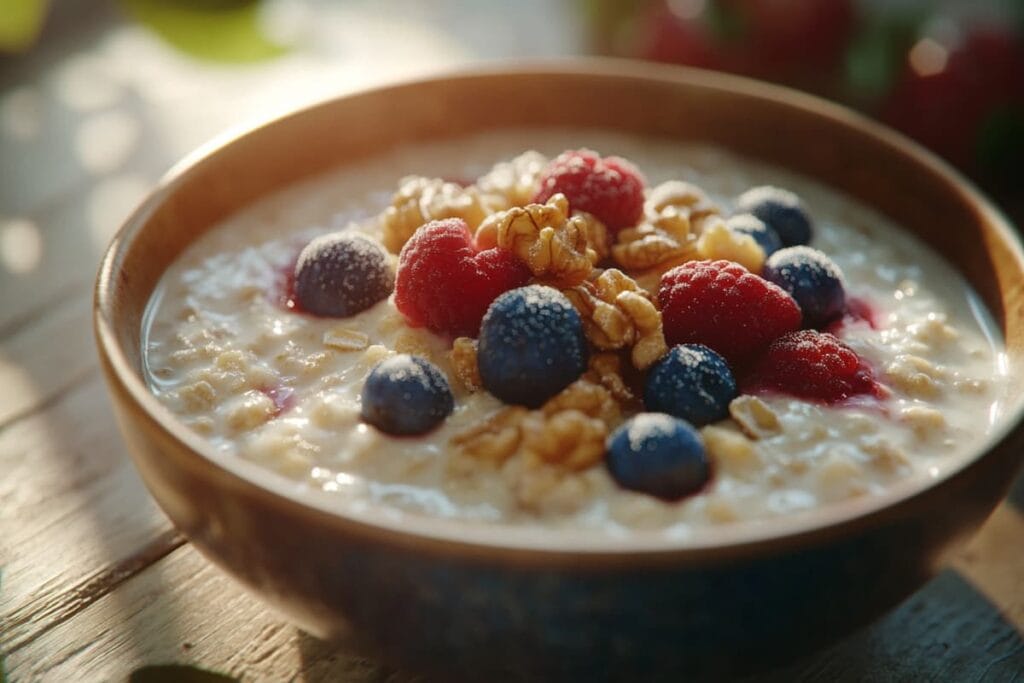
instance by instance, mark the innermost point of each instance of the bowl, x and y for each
(484, 601)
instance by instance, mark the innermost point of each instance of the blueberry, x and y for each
(749, 224)
(781, 210)
(690, 382)
(342, 273)
(531, 345)
(813, 279)
(658, 454)
(406, 395)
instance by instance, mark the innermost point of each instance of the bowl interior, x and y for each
(781, 127)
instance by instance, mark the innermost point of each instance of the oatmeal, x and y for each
(615, 294)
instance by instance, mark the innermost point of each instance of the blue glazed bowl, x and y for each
(480, 602)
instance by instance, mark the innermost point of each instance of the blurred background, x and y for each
(110, 92)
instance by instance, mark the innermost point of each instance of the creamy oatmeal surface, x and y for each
(282, 389)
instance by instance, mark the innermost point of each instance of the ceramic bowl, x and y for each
(481, 601)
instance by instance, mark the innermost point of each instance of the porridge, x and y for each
(574, 340)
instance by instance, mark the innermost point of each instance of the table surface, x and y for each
(96, 584)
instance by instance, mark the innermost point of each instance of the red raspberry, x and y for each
(445, 284)
(724, 306)
(610, 188)
(815, 365)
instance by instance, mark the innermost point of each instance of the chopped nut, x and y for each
(648, 246)
(674, 216)
(463, 358)
(755, 418)
(344, 339)
(588, 398)
(419, 200)
(599, 239)
(568, 438)
(495, 439)
(677, 198)
(515, 181)
(731, 451)
(719, 242)
(606, 370)
(617, 314)
(553, 245)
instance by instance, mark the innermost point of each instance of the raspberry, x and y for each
(609, 188)
(726, 307)
(813, 365)
(445, 284)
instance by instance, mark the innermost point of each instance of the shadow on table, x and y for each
(1016, 496)
(946, 631)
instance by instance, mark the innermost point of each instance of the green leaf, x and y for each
(20, 23)
(177, 673)
(214, 30)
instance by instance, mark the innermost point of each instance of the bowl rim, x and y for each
(540, 543)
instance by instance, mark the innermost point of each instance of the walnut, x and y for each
(606, 370)
(495, 439)
(419, 200)
(717, 241)
(754, 417)
(551, 243)
(618, 314)
(568, 438)
(648, 246)
(463, 358)
(586, 397)
(674, 215)
(676, 198)
(515, 181)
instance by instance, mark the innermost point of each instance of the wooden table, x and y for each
(95, 582)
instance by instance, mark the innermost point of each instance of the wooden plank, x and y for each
(183, 610)
(965, 625)
(73, 513)
(46, 357)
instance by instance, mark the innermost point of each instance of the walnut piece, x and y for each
(494, 440)
(618, 314)
(584, 396)
(568, 438)
(719, 242)
(674, 214)
(419, 200)
(463, 358)
(515, 181)
(606, 370)
(552, 244)
(755, 418)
